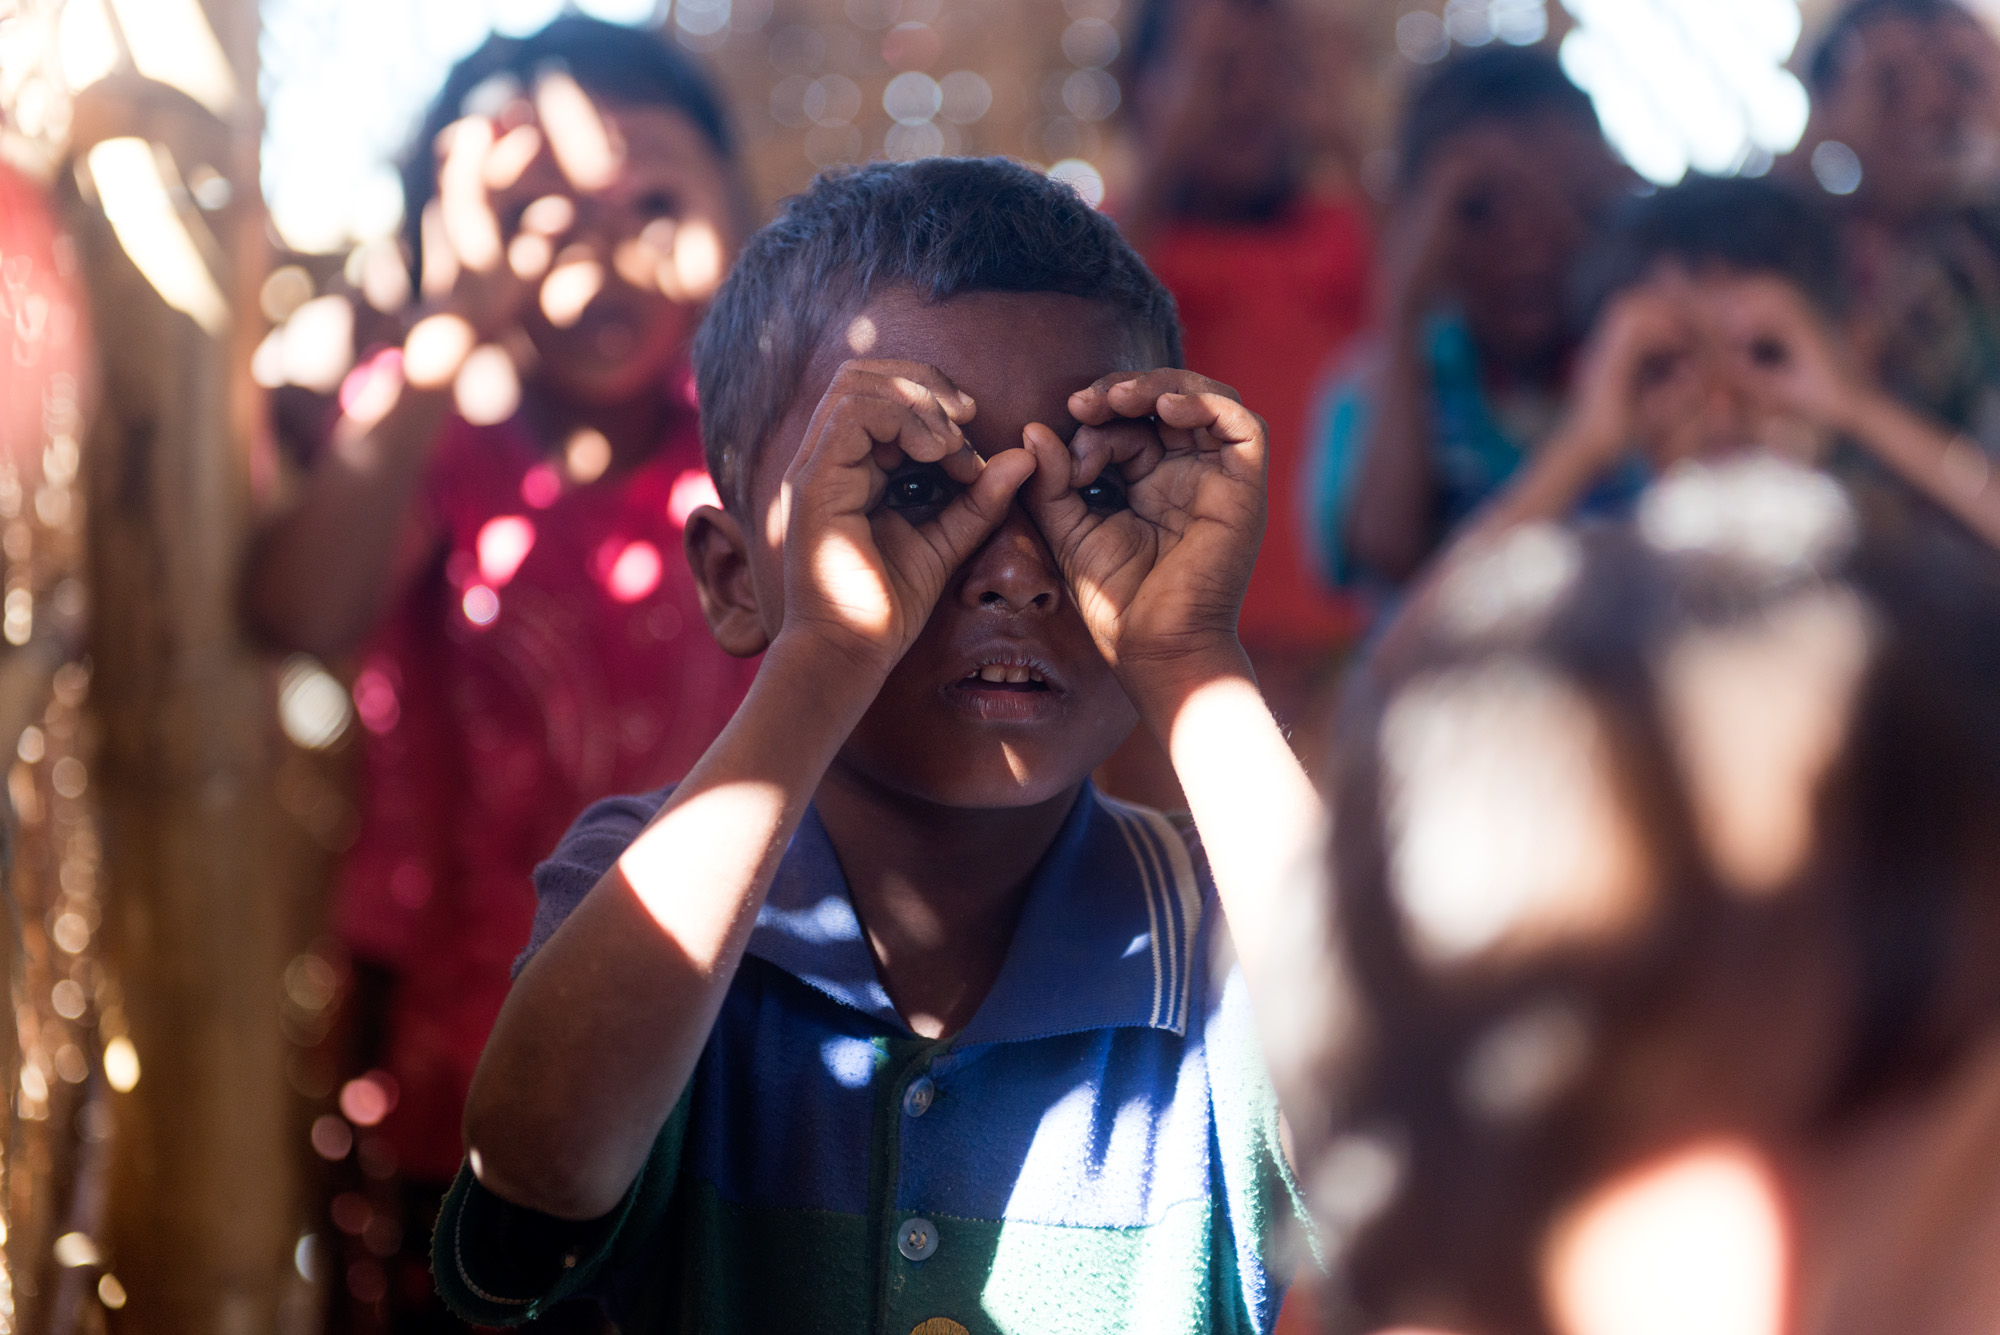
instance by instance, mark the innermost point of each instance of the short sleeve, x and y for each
(592, 846)
(500, 1265)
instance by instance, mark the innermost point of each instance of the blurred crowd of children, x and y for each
(1522, 333)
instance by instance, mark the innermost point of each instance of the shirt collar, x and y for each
(1106, 937)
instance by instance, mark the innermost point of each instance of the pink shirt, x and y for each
(553, 653)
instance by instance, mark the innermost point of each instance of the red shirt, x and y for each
(554, 653)
(1266, 306)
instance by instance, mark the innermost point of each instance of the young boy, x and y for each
(505, 582)
(1503, 179)
(1717, 333)
(882, 1019)
(1900, 147)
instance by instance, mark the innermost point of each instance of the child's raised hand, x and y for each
(1635, 368)
(482, 161)
(1781, 349)
(1154, 510)
(885, 500)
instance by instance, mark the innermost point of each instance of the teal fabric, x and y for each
(1473, 454)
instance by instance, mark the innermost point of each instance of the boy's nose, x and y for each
(1014, 572)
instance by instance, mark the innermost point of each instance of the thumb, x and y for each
(973, 515)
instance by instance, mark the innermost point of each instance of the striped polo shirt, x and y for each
(1096, 1151)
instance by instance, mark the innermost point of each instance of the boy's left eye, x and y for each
(924, 488)
(1103, 496)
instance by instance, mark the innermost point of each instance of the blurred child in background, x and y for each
(1904, 145)
(493, 534)
(1717, 331)
(1503, 178)
(1269, 273)
(1667, 899)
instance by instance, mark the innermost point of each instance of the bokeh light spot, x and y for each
(635, 573)
(375, 701)
(503, 544)
(692, 490)
(313, 708)
(480, 605)
(366, 1100)
(540, 486)
(332, 1137)
(121, 1065)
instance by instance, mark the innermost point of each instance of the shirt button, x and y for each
(918, 1238)
(917, 1099)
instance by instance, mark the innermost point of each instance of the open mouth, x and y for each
(1005, 676)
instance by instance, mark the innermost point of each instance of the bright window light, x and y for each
(344, 83)
(1690, 84)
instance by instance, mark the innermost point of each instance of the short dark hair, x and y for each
(1749, 224)
(1496, 83)
(617, 63)
(943, 226)
(1823, 70)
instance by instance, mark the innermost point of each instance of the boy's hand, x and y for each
(1154, 511)
(1783, 352)
(482, 162)
(885, 500)
(1634, 369)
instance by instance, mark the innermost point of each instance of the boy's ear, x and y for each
(720, 559)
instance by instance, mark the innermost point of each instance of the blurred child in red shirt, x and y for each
(493, 532)
(1271, 277)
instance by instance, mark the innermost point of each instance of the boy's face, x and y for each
(1529, 195)
(1226, 103)
(939, 732)
(1717, 385)
(1915, 100)
(633, 214)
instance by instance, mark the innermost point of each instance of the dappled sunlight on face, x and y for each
(470, 230)
(1695, 1242)
(435, 350)
(569, 288)
(585, 149)
(1758, 714)
(852, 584)
(1506, 827)
(487, 388)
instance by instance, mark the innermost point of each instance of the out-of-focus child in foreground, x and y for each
(493, 532)
(1668, 894)
(883, 1019)
(1718, 330)
(1503, 178)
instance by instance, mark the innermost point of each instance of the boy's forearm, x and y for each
(1260, 819)
(603, 1029)
(1556, 479)
(1390, 527)
(1951, 470)
(318, 573)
